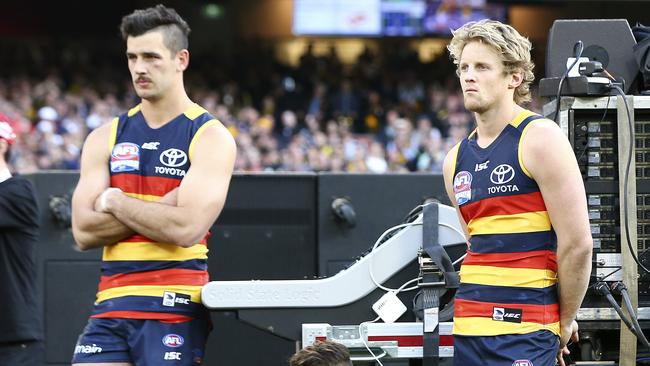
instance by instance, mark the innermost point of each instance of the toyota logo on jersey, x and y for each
(502, 174)
(173, 158)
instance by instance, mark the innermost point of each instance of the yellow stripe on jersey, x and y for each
(194, 111)
(147, 251)
(143, 197)
(519, 148)
(521, 117)
(112, 135)
(198, 133)
(526, 222)
(157, 291)
(134, 110)
(478, 326)
(512, 277)
(454, 154)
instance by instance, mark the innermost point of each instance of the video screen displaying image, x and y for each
(441, 16)
(391, 18)
(402, 17)
(336, 17)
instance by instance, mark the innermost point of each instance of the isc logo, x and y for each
(522, 363)
(172, 356)
(173, 298)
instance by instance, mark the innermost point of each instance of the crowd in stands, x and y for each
(385, 113)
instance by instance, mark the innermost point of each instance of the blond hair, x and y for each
(512, 46)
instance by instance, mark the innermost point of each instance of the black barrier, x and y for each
(379, 202)
(273, 226)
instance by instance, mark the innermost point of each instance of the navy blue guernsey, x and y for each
(508, 279)
(141, 278)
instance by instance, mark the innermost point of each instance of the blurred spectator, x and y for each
(319, 116)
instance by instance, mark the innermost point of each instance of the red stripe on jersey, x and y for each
(504, 205)
(141, 238)
(167, 317)
(185, 277)
(538, 259)
(541, 314)
(140, 184)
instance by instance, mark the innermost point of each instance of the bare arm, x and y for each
(201, 195)
(93, 229)
(448, 171)
(548, 156)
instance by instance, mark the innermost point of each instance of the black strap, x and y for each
(433, 248)
(430, 323)
(430, 301)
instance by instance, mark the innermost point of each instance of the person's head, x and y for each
(491, 57)
(326, 353)
(7, 138)
(156, 49)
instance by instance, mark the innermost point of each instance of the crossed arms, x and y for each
(103, 216)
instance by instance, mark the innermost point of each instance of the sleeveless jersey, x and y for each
(140, 278)
(508, 279)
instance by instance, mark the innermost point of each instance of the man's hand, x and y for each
(570, 332)
(102, 201)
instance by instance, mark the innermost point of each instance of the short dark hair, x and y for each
(175, 29)
(322, 353)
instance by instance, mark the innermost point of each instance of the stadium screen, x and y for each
(401, 18)
(337, 18)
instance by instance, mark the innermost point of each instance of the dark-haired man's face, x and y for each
(154, 68)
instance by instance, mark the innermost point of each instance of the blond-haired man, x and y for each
(518, 190)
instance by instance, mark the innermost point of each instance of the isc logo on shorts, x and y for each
(172, 356)
(522, 363)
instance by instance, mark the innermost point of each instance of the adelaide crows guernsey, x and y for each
(508, 279)
(141, 278)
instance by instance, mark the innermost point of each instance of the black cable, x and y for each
(577, 52)
(604, 277)
(626, 176)
(630, 309)
(603, 289)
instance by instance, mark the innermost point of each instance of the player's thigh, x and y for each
(170, 344)
(104, 342)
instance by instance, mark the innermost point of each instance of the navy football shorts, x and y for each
(142, 342)
(533, 349)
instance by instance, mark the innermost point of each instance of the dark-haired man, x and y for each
(152, 183)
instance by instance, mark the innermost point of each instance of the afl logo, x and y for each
(173, 340)
(125, 157)
(173, 158)
(522, 363)
(502, 174)
(462, 181)
(463, 187)
(125, 151)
